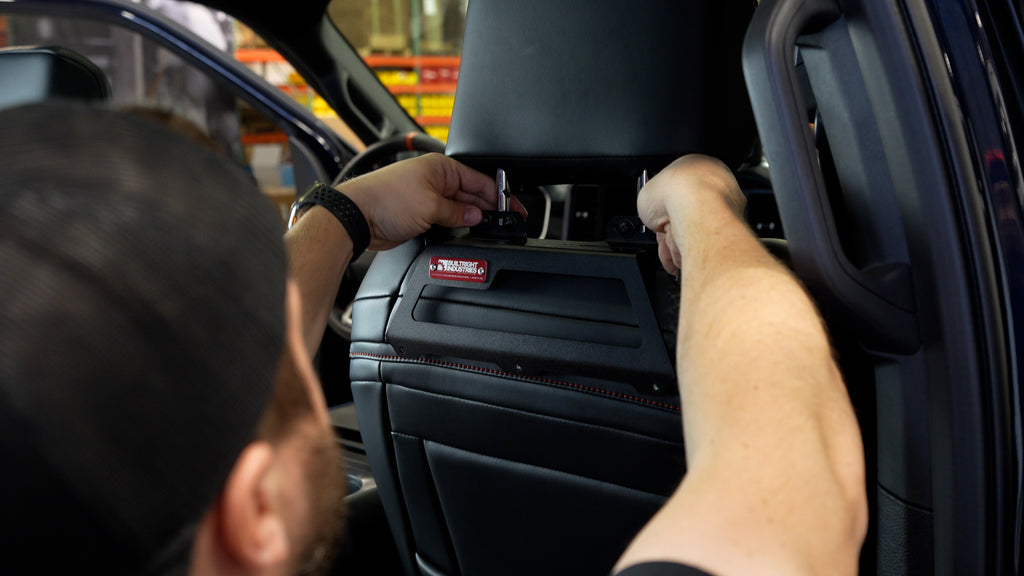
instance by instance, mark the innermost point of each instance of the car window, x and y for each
(414, 47)
(146, 76)
(141, 73)
(250, 49)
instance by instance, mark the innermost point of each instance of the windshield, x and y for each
(414, 47)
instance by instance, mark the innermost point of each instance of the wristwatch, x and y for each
(343, 208)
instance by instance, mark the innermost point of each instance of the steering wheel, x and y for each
(384, 151)
(377, 154)
(339, 322)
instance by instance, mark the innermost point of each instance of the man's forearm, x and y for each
(775, 464)
(772, 415)
(319, 250)
(399, 202)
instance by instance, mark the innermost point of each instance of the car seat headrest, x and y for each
(36, 73)
(595, 91)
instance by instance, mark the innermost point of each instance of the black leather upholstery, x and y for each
(490, 471)
(595, 91)
(36, 73)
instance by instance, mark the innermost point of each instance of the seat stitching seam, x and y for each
(535, 379)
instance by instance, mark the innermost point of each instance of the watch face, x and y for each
(293, 216)
(302, 202)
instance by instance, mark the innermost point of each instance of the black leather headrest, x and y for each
(595, 91)
(36, 73)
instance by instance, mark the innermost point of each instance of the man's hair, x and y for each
(142, 290)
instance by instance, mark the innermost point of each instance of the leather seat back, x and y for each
(485, 467)
(516, 400)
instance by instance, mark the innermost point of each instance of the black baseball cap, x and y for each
(142, 290)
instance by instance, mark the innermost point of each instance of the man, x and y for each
(158, 405)
(161, 414)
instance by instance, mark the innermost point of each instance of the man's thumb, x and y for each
(454, 214)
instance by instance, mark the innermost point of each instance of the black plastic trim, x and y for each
(646, 367)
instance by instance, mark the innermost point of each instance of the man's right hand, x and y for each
(678, 192)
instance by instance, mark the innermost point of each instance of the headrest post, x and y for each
(504, 194)
(641, 181)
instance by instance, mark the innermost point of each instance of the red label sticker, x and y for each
(458, 269)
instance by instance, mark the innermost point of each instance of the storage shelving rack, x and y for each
(423, 85)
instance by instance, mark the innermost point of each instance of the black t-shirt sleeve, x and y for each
(662, 569)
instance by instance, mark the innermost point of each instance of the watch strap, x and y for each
(343, 208)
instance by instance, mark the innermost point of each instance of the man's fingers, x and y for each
(459, 178)
(489, 202)
(471, 216)
(665, 255)
(454, 214)
(666, 252)
(517, 206)
(481, 202)
(466, 185)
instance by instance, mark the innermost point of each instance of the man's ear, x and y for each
(252, 529)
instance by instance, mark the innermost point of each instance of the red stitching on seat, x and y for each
(514, 376)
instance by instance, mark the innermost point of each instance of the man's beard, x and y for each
(325, 481)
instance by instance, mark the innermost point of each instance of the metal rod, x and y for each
(504, 195)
